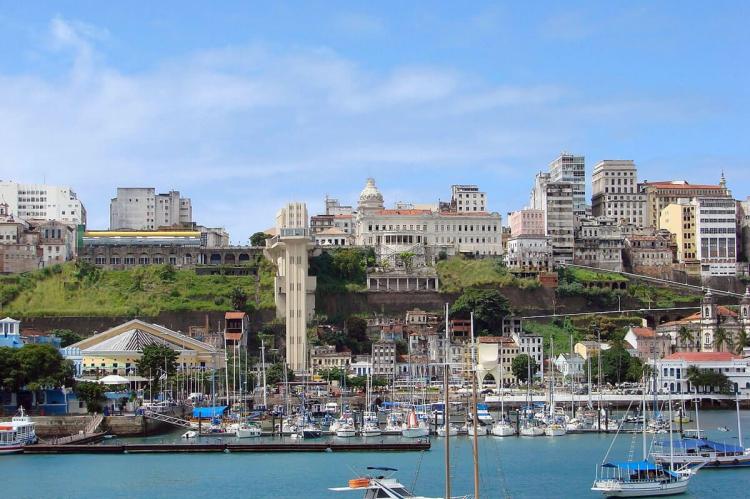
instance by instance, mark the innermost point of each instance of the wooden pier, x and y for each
(422, 445)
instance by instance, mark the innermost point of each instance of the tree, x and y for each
(356, 335)
(90, 393)
(10, 374)
(42, 366)
(706, 378)
(637, 370)
(239, 298)
(603, 326)
(259, 239)
(331, 374)
(722, 339)
(155, 359)
(489, 306)
(686, 337)
(275, 373)
(520, 367)
(67, 337)
(742, 341)
(616, 363)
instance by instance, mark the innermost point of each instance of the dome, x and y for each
(370, 197)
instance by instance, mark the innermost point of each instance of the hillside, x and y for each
(457, 273)
(73, 290)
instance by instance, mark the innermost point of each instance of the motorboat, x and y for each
(346, 430)
(483, 414)
(639, 479)
(190, 434)
(10, 442)
(379, 485)
(452, 431)
(480, 429)
(311, 431)
(370, 429)
(574, 425)
(248, 430)
(555, 430)
(24, 426)
(503, 429)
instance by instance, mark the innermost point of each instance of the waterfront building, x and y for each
(672, 371)
(116, 350)
(10, 333)
(659, 195)
(599, 243)
(649, 252)
(141, 208)
(571, 169)
(679, 219)
(569, 364)
(294, 288)
(615, 192)
(361, 366)
(384, 358)
(468, 198)
(648, 343)
(43, 202)
(589, 348)
(326, 357)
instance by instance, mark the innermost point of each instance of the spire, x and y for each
(723, 180)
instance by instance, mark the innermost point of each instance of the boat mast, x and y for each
(502, 384)
(552, 379)
(570, 372)
(446, 412)
(263, 368)
(474, 403)
(643, 412)
(739, 425)
(671, 442)
(226, 367)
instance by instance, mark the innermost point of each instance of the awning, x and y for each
(209, 412)
(632, 465)
(113, 379)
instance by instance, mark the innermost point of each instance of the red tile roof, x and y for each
(685, 185)
(643, 332)
(404, 212)
(702, 356)
(235, 315)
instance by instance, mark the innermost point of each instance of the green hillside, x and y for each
(457, 273)
(79, 289)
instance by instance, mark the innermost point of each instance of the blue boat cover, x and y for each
(633, 465)
(208, 412)
(702, 443)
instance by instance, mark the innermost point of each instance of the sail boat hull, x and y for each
(615, 488)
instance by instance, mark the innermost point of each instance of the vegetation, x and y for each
(489, 306)
(704, 379)
(723, 340)
(342, 269)
(259, 239)
(33, 367)
(155, 359)
(587, 276)
(67, 337)
(81, 289)
(520, 367)
(660, 297)
(275, 373)
(582, 328)
(457, 273)
(92, 394)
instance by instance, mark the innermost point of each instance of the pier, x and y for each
(418, 446)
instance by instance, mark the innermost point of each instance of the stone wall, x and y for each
(48, 427)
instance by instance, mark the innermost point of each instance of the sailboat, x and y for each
(553, 429)
(370, 427)
(642, 478)
(413, 428)
(529, 428)
(502, 428)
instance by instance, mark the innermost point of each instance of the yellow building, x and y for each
(679, 219)
(589, 348)
(116, 350)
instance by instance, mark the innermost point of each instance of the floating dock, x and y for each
(229, 447)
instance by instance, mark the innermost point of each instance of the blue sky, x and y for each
(244, 106)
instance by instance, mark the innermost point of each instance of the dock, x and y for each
(417, 446)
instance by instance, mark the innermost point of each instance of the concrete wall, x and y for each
(59, 426)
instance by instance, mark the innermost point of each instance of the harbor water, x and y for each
(510, 467)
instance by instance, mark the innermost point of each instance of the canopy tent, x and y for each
(633, 465)
(209, 412)
(688, 444)
(113, 379)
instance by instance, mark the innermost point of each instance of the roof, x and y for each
(495, 339)
(633, 465)
(331, 231)
(403, 212)
(10, 320)
(702, 356)
(235, 315)
(677, 184)
(132, 340)
(696, 317)
(343, 216)
(643, 332)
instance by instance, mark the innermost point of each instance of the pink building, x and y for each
(526, 222)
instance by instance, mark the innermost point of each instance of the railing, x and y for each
(166, 418)
(92, 425)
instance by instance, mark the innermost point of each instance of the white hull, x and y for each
(346, 433)
(614, 488)
(372, 432)
(248, 433)
(503, 430)
(415, 432)
(480, 431)
(452, 432)
(190, 434)
(532, 431)
(554, 432)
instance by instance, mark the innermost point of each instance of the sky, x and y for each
(244, 106)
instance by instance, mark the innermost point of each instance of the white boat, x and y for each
(370, 430)
(247, 430)
(554, 430)
(378, 486)
(24, 426)
(10, 443)
(480, 430)
(574, 425)
(503, 429)
(452, 431)
(483, 414)
(190, 434)
(531, 430)
(414, 428)
(346, 430)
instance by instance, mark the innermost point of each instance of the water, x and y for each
(510, 467)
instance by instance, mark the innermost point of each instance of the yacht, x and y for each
(377, 486)
(554, 430)
(483, 414)
(452, 431)
(480, 429)
(10, 443)
(370, 429)
(414, 428)
(503, 429)
(248, 430)
(639, 479)
(24, 426)
(346, 429)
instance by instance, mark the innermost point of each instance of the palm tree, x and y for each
(694, 375)
(722, 339)
(742, 341)
(686, 337)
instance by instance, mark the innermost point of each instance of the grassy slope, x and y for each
(457, 273)
(586, 275)
(141, 291)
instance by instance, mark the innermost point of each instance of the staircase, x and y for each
(166, 418)
(92, 425)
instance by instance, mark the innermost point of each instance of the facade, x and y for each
(294, 289)
(648, 343)
(531, 345)
(384, 358)
(659, 195)
(529, 253)
(141, 208)
(555, 199)
(679, 219)
(527, 222)
(495, 356)
(10, 333)
(672, 371)
(649, 254)
(571, 169)
(599, 243)
(326, 357)
(588, 349)
(569, 364)
(468, 198)
(716, 233)
(236, 328)
(743, 233)
(42, 201)
(615, 192)
(332, 236)
(116, 350)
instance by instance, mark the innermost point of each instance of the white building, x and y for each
(294, 289)
(615, 192)
(361, 366)
(529, 253)
(384, 358)
(716, 230)
(569, 364)
(141, 208)
(531, 345)
(555, 199)
(42, 201)
(599, 243)
(468, 198)
(672, 371)
(571, 169)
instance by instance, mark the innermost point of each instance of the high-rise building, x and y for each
(571, 169)
(555, 199)
(659, 195)
(468, 198)
(294, 289)
(141, 208)
(42, 201)
(615, 192)
(716, 231)
(679, 219)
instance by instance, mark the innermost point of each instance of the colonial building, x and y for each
(10, 333)
(326, 357)
(649, 254)
(679, 219)
(236, 328)
(569, 364)
(588, 349)
(529, 254)
(531, 345)
(468, 198)
(648, 343)
(599, 243)
(659, 195)
(527, 222)
(672, 371)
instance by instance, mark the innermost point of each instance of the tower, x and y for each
(370, 199)
(709, 321)
(745, 312)
(294, 290)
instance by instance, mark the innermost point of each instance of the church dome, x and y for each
(370, 196)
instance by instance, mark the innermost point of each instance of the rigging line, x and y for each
(619, 426)
(419, 467)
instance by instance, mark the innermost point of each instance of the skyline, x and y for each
(227, 105)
